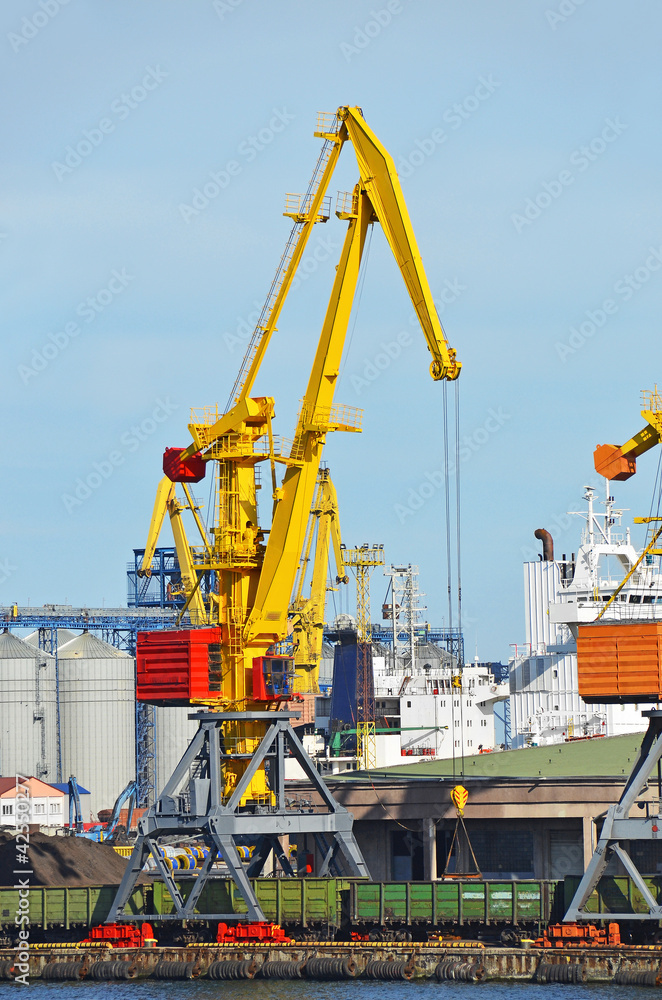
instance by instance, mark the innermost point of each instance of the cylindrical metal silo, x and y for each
(63, 635)
(97, 717)
(28, 739)
(172, 734)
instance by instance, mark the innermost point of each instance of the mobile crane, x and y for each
(237, 585)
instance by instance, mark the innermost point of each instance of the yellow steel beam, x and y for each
(165, 492)
(308, 221)
(649, 548)
(380, 179)
(620, 461)
(267, 621)
(308, 632)
(190, 581)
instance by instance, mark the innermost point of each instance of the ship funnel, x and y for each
(547, 544)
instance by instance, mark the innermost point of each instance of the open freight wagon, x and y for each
(319, 908)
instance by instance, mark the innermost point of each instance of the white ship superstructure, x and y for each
(434, 709)
(439, 713)
(545, 706)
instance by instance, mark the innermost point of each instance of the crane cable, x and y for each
(363, 268)
(447, 503)
(449, 559)
(654, 511)
(460, 640)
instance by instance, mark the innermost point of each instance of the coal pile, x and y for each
(71, 861)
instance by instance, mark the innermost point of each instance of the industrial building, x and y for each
(41, 804)
(97, 700)
(531, 813)
(75, 713)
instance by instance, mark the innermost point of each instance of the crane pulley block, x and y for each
(183, 470)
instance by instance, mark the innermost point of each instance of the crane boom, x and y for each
(305, 214)
(381, 181)
(317, 417)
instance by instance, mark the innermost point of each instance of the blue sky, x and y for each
(527, 135)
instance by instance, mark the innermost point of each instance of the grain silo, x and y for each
(97, 717)
(63, 635)
(28, 737)
(173, 731)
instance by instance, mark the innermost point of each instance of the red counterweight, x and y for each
(185, 667)
(179, 667)
(183, 470)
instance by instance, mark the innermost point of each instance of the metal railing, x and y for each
(651, 399)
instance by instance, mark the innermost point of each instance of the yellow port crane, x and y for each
(249, 570)
(238, 579)
(363, 560)
(308, 612)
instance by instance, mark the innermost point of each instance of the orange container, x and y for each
(620, 661)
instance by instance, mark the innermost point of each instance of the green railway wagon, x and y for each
(307, 902)
(302, 902)
(66, 907)
(617, 894)
(452, 902)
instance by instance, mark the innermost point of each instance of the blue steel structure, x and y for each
(451, 639)
(119, 627)
(501, 673)
(162, 589)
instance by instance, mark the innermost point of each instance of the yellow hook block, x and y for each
(459, 796)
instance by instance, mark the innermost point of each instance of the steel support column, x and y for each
(618, 828)
(199, 807)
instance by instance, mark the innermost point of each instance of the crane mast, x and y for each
(363, 560)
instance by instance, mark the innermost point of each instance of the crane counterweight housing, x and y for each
(620, 662)
(180, 667)
(179, 469)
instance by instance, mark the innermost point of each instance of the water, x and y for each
(309, 990)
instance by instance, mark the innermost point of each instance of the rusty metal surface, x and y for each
(600, 965)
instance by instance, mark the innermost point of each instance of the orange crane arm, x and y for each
(620, 462)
